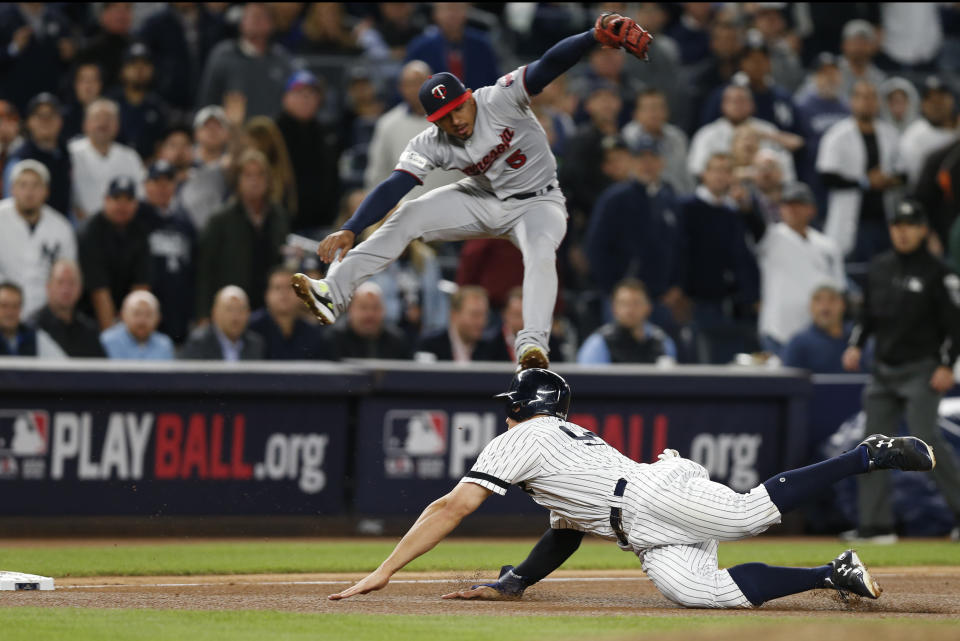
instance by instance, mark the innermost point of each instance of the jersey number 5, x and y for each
(586, 436)
(517, 159)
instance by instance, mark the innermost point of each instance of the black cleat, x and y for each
(907, 453)
(850, 575)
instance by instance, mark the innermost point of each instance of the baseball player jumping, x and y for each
(669, 513)
(511, 189)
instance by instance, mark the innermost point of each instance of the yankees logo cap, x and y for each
(441, 93)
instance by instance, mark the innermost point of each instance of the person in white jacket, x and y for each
(856, 162)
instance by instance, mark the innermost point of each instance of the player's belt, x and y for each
(616, 514)
(531, 194)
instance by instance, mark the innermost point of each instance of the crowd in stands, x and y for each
(168, 166)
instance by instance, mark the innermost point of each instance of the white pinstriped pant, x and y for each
(677, 516)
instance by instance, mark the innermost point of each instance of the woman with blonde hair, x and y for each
(263, 134)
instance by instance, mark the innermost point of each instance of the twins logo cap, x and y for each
(441, 93)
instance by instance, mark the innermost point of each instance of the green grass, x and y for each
(29, 624)
(177, 558)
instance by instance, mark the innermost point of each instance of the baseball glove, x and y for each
(615, 31)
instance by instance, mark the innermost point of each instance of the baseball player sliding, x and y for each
(669, 513)
(511, 189)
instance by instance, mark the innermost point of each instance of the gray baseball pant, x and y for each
(891, 392)
(458, 212)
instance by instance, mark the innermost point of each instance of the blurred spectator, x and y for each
(717, 137)
(770, 21)
(226, 337)
(859, 48)
(325, 31)
(771, 102)
(819, 348)
(16, 338)
(136, 337)
(899, 103)
(86, 87)
(634, 229)
(650, 119)
(172, 241)
(856, 165)
(363, 108)
(365, 334)
(662, 67)
(286, 335)
(263, 135)
(410, 288)
(74, 332)
(313, 151)
(499, 341)
(450, 45)
(759, 187)
(954, 246)
(110, 40)
(934, 130)
(794, 259)
(180, 36)
(938, 189)
(691, 32)
(44, 124)
(287, 23)
(37, 48)
(462, 340)
(242, 241)
(912, 308)
(830, 22)
(912, 36)
(249, 66)
(98, 159)
(716, 70)
(10, 138)
(494, 264)
(584, 179)
(606, 66)
(176, 148)
(205, 187)
(392, 28)
(115, 251)
(819, 108)
(395, 129)
(556, 105)
(143, 114)
(32, 235)
(630, 338)
(720, 275)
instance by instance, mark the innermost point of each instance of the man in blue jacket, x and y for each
(454, 47)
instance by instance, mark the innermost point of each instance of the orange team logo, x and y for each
(439, 92)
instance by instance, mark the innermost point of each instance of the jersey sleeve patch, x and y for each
(506, 81)
(413, 158)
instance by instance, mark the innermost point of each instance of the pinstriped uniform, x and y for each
(673, 515)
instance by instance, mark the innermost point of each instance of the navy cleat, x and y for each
(315, 294)
(850, 575)
(907, 453)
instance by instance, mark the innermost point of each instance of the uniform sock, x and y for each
(787, 490)
(760, 582)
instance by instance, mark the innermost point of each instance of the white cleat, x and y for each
(315, 294)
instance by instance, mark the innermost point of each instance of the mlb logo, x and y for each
(415, 433)
(24, 432)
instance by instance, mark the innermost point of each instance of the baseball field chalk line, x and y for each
(584, 579)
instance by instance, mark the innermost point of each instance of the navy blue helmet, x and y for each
(537, 392)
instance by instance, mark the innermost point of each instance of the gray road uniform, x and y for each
(511, 190)
(669, 513)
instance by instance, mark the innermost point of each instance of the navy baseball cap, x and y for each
(122, 186)
(645, 144)
(137, 51)
(45, 98)
(909, 212)
(161, 169)
(302, 78)
(441, 93)
(797, 193)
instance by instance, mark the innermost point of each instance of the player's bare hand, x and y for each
(376, 580)
(851, 359)
(481, 592)
(340, 240)
(942, 379)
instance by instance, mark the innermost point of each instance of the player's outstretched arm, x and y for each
(435, 523)
(374, 207)
(611, 30)
(550, 552)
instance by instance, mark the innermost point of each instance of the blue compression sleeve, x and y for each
(761, 583)
(557, 60)
(382, 199)
(553, 548)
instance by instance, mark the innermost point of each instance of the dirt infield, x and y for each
(908, 592)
